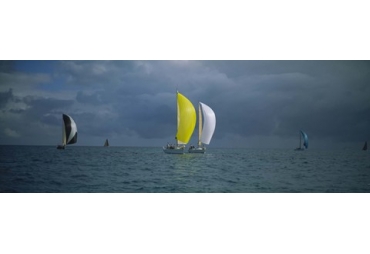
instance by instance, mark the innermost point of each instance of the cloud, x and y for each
(22, 80)
(7, 66)
(93, 99)
(5, 97)
(11, 133)
(137, 99)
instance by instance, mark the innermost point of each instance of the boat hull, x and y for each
(197, 150)
(176, 150)
(61, 147)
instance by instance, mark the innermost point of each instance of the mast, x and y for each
(300, 140)
(200, 126)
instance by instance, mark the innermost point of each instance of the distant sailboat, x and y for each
(106, 143)
(206, 131)
(305, 141)
(69, 132)
(186, 118)
(365, 146)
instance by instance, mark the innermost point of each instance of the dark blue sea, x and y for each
(44, 169)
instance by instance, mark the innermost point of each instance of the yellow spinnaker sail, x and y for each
(186, 118)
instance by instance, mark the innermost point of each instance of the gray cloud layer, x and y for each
(133, 102)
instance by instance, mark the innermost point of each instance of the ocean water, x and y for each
(40, 169)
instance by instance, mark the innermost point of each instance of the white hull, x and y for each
(197, 150)
(176, 150)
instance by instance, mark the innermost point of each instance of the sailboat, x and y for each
(206, 131)
(365, 146)
(69, 132)
(186, 118)
(305, 141)
(106, 143)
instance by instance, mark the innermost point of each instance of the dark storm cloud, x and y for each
(5, 97)
(7, 66)
(152, 121)
(328, 99)
(94, 99)
(145, 115)
(319, 69)
(138, 94)
(29, 117)
(43, 105)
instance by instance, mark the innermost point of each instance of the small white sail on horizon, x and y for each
(206, 131)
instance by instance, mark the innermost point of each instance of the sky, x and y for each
(258, 104)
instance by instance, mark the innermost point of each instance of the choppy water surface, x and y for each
(132, 169)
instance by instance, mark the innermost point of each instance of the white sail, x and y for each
(209, 119)
(64, 142)
(70, 129)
